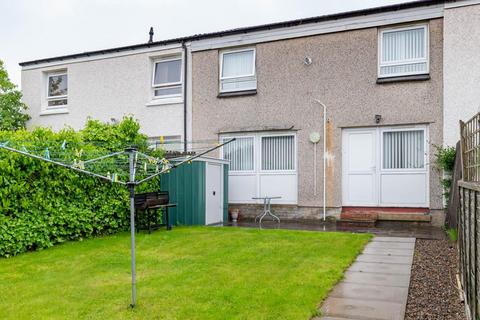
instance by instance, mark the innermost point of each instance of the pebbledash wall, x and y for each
(105, 87)
(343, 74)
(461, 67)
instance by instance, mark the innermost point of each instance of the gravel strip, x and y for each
(433, 290)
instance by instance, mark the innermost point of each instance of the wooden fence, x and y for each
(468, 244)
(470, 145)
(468, 219)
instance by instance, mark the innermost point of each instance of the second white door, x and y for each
(385, 167)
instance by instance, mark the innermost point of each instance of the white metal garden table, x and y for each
(266, 208)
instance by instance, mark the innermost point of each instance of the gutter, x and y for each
(246, 30)
(185, 80)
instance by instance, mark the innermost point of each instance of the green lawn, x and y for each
(187, 273)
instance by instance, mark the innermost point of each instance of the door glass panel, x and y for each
(404, 149)
(361, 151)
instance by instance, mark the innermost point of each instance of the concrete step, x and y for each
(399, 216)
(386, 214)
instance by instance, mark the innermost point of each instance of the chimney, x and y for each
(150, 40)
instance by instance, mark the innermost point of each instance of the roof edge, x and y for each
(270, 26)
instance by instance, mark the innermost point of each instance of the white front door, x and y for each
(359, 165)
(385, 167)
(214, 197)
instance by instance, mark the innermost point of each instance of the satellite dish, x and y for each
(314, 137)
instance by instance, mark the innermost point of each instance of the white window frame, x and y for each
(426, 44)
(425, 149)
(260, 137)
(253, 74)
(170, 84)
(239, 172)
(257, 152)
(55, 98)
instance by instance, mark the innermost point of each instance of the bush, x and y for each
(445, 158)
(42, 204)
(446, 162)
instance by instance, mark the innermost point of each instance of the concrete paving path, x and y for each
(376, 285)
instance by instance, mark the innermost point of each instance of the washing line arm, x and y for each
(185, 161)
(74, 168)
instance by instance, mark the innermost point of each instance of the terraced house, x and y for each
(375, 89)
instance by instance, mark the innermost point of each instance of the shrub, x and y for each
(42, 204)
(446, 161)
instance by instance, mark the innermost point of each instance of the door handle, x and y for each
(213, 192)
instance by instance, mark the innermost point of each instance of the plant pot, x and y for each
(234, 215)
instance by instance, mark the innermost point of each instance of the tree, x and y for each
(12, 116)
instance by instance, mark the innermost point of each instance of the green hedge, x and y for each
(43, 204)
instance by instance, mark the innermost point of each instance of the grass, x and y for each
(452, 234)
(187, 273)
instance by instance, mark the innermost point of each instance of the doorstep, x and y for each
(374, 214)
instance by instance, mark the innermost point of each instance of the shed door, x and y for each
(214, 196)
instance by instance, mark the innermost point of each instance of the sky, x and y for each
(34, 29)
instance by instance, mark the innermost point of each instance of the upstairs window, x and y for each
(57, 90)
(167, 78)
(403, 51)
(237, 70)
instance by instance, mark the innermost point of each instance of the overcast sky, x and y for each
(34, 29)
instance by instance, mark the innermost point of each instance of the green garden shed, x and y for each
(200, 190)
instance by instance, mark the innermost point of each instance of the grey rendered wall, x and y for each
(343, 75)
(462, 68)
(105, 89)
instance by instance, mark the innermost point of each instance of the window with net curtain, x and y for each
(403, 51)
(238, 70)
(404, 149)
(167, 77)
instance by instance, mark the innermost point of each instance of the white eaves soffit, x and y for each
(315, 28)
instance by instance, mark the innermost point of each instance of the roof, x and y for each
(270, 26)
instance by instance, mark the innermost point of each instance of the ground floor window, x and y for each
(168, 143)
(261, 164)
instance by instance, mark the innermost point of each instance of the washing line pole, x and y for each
(132, 158)
(132, 153)
(324, 157)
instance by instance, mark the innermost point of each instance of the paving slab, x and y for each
(376, 284)
(393, 239)
(335, 318)
(391, 245)
(365, 309)
(367, 292)
(393, 280)
(384, 268)
(385, 258)
(389, 251)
